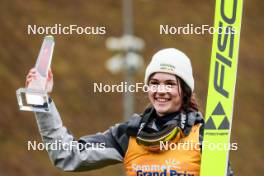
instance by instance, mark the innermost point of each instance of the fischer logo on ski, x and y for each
(218, 113)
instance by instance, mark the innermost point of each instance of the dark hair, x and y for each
(189, 102)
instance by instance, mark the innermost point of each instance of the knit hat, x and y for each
(173, 61)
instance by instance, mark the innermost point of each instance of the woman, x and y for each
(161, 141)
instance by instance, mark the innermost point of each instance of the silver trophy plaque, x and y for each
(35, 96)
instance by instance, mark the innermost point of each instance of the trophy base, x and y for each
(32, 100)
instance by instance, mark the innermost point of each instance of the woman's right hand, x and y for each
(33, 75)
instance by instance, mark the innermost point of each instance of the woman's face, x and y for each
(165, 93)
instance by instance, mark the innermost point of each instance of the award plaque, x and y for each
(35, 96)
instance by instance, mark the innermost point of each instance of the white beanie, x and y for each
(171, 61)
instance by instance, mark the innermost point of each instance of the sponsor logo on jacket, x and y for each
(163, 173)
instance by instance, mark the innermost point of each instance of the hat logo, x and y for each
(167, 67)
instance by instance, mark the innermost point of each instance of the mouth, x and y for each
(162, 99)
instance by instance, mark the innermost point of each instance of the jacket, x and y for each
(91, 151)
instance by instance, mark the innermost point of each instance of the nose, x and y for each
(160, 88)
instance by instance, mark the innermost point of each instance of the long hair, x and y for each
(189, 102)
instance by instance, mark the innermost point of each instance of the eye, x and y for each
(171, 83)
(153, 82)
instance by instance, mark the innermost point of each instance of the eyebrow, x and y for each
(167, 80)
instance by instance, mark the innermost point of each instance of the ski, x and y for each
(221, 89)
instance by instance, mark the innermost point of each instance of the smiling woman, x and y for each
(165, 102)
(172, 69)
(173, 117)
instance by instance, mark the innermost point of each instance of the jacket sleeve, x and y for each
(87, 153)
(201, 133)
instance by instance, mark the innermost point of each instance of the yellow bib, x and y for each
(181, 159)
